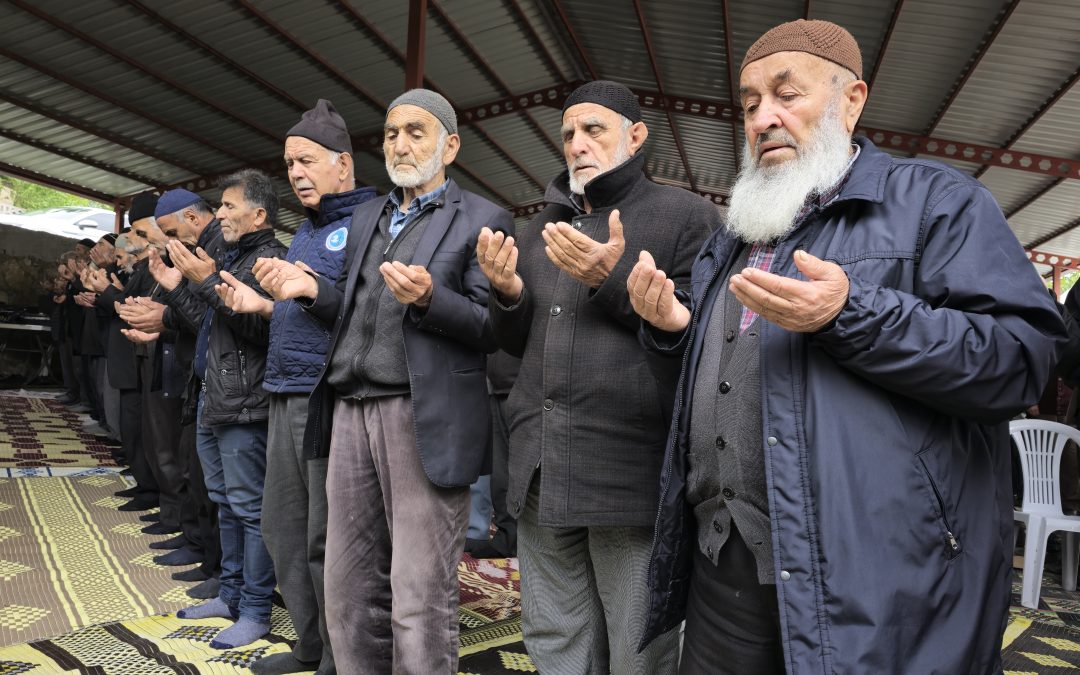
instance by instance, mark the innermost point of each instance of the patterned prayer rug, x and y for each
(37, 432)
(72, 565)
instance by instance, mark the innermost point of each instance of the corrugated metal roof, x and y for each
(171, 136)
(1058, 207)
(931, 43)
(1004, 89)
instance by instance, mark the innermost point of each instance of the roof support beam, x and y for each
(416, 44)
(574, 38)
(1053, 259)
(536, 40)
(76, 157)
(119, 103)
(897, 8)
(76, 123)
(479, 59)
(392, 50)
(1064, 229)
(529, 210)
(55, 183)
(268, 86)
(806, 11)
(209, 102)
(1038, 114)
(644, 26)
(728, 54)
(999, 23)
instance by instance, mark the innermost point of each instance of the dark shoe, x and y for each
(484, 550)
(161, 528)
(65, 400)
(193, 574)
(79, 408)
(181, 556)
(127, 493)
(126, 471)
(279, 664)
(179, 541)
(137, 505)
(206, 590)
(150, 517)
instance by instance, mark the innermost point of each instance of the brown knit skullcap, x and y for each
(820, 38)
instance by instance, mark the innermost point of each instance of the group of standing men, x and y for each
(786, 427)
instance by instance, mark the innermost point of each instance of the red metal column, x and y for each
(417, 41)
(119, 209)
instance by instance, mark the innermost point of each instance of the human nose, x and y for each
(765, 117)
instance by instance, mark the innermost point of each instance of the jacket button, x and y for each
(717, 526)
(730, 336)
(708, 551)
(785, 575)
(577, 224)
(517, 504)
(720, 442)
(548, 404)
(223, 371)
(728, 493)
(725, 387)
(771, 440)
(556, 310)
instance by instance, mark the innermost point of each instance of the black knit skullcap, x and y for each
(142, 206)
(325, 126)
(611, 95)
(87, 242)
(110, 237)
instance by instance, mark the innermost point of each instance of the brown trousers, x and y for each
(393, 544)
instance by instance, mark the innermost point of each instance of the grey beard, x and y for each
(622, 154)
(765, 200)
(424, 173)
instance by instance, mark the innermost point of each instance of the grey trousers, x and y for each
(294, 526)
(393, 544)
(584, 600)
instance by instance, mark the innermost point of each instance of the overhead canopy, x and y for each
(106, 98)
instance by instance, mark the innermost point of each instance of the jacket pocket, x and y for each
(229, 374)
(950, 540)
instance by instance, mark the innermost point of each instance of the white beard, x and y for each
(765, 200)
(622, 153)
(403, 178)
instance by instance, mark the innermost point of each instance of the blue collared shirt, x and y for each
(399, 219)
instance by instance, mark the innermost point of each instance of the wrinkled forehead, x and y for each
(298, 146)
(586, 114)
(407, 116)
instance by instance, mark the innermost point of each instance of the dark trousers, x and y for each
(198, 513)
(131, 437)
(732, 621)
(68, 370)
(88, 382)
(161, 443)
(294, 526)
(505, 539)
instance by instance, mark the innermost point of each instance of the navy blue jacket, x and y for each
(885, 435)
(445, 346)
(298, 341)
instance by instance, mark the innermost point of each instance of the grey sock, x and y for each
(206, 610)
(243, 632)
(278, 664)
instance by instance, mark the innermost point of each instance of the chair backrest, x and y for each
(1040, 444)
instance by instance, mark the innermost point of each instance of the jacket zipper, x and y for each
(677, 412)
(953, 543)
(243, 371)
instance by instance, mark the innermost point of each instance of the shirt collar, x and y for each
(397, 194)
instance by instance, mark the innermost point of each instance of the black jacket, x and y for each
(589, 405)
(445, 346)
(120, 352)
(236, 355)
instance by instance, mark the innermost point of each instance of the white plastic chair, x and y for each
(1040, 444)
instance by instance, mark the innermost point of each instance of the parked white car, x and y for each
(73, 222)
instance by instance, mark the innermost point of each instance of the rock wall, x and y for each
(26, 258)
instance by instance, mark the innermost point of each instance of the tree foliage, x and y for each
(31, 196)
